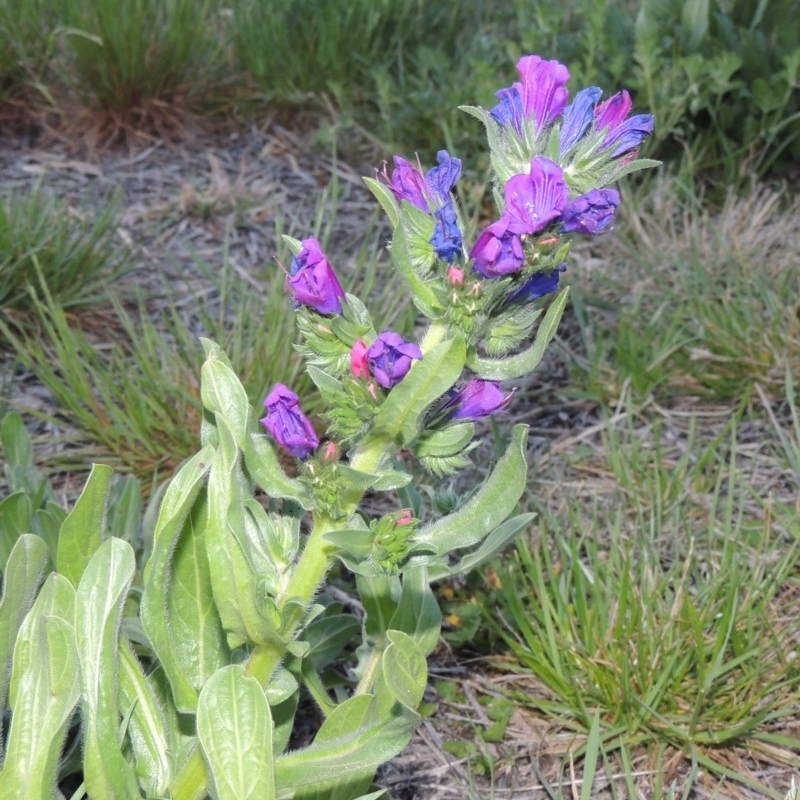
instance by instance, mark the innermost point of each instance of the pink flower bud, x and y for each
(358, 360)
(455, 276)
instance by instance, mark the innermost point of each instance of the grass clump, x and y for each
(666, 609)
(27, 44)
(693, 301)
(141, 62)
(46, 242)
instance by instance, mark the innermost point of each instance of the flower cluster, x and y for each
(554, 162)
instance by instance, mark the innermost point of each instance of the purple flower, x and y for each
(446, 239)
(538, 285)
(535, 199)
(477, 399)
(313, 282)
(287, 423)
(390, 357)
(509, 110)
(622, 133)
(496, 251)
(577, 117)
(540, 95)
(429, 192)
(591, 213)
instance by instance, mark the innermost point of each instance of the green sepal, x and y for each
(441, 466)
(526, 361)
(428, 379)
(353, 323)
(294, 245)
(82, 531)
(385, 196)
(486, 509)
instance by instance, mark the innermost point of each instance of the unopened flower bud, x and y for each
(358, 360)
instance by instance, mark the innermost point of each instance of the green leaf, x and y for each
(146, 727)
(427, 380)
(404, 669)
(24, 575)
(327, 636)
(45, 686)
(365, 749)
(233, 577)
(223, 394)
(418, 614)
(447, 441)
(423, 294)
(491, 546)
(525, 362)
(487, 508)
(82, 531)
(16, 515)
(19, 469)
(101, 597)
(235, 730)
(263, 467)
(379, 594)
(385, 196)
(174, 593)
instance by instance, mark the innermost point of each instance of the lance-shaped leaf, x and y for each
(264, 468)
(146, 725)
(233, 578)
(82, 531)
(45, 686)
(427, 380)
(100, 600)
(491, 546)
(418, 614)
(223, 394)
(20, 471)
(177, 608)
(16, 515)
(365, 749)
(385, 196)
(486, 509)
(525, 362)
(404, 670)
(447, 441)
(23, 576)
(235, 730)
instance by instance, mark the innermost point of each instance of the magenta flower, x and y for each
(577, 117)
(591, 213)
(429, 192)
(535, 199)
(289, 426)
(312, 281)
(540, 95)
(390, 358)
(623, 133)
(477, 399)
(538, 285)
(497, 252)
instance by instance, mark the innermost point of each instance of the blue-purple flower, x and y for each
(477, 399)
(287, 423)
(446, 239)
(538, 285)
(312, 281)
(497, 252)
(535, 199)
(429, 192)
(623, 133)
(591, 213)
(540, 95)
(389, 358)
(577, 118)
